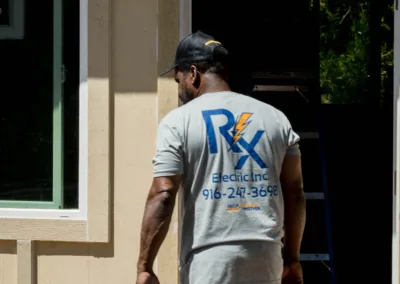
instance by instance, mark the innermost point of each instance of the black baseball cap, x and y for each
(198, 47)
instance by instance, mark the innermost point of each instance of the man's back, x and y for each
(233, 148)
(231, 153)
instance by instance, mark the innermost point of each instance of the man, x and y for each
(239, 164)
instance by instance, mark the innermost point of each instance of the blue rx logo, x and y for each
(232, 131)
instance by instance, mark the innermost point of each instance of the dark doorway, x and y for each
(330, 56)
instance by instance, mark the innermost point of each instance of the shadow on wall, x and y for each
(75, 249)
(8, 247)
(129, 56)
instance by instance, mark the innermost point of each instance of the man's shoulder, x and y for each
(173, 116)
(180, 113)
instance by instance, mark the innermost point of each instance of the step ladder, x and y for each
(324, 197)
(293, 82)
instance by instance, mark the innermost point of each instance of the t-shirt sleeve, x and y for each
(292, 138)
(168, 159)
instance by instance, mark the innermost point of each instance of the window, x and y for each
(39, 106)
(356, 51)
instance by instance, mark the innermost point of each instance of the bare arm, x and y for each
(157, 217)
(295, 207)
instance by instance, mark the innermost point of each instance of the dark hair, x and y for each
(214, 67)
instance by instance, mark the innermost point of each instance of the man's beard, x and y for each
(186, 97)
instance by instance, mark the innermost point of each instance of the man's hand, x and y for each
(292, 273)
(146, 278)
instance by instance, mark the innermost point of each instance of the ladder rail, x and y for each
(326, 196)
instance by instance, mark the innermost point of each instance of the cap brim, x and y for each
(169, 70)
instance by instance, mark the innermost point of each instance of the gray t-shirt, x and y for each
(230, 149)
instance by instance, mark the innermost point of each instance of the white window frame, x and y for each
(81, 213)
(185, 23)
(396, 149)
(16, 29)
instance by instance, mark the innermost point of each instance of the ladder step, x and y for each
(282, 75)
(314, 257)
(308, 135)
(314, 195)
(279, 88)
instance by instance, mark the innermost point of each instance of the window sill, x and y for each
(45, 230)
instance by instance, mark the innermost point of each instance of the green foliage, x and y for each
(387, 55)
(344, 51)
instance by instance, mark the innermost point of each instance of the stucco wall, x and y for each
(143, 36)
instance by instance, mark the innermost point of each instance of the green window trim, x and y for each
(16, 204)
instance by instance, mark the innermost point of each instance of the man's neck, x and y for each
(213, 85)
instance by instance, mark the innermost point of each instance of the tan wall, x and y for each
(138, 99)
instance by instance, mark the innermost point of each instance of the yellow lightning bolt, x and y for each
(241, 126)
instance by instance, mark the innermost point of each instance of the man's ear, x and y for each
(193, 73)
(195, 76)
